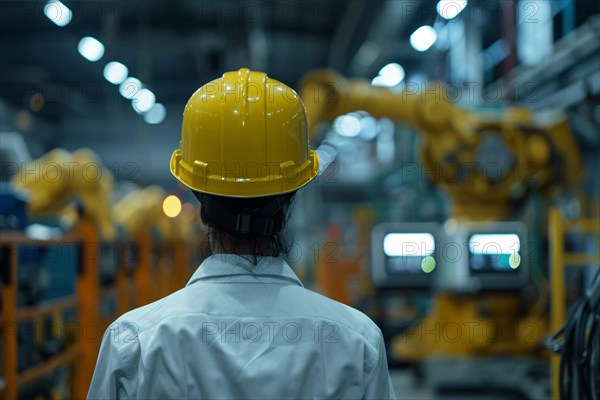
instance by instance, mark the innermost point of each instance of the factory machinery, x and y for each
(72, 262)
(488, 161)
(74, 257)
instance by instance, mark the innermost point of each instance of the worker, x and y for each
(244, 326)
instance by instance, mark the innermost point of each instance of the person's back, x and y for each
(243, 327)
(241, 331)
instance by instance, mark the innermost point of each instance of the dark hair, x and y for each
(251, 226)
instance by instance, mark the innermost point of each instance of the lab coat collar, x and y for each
(223, 265)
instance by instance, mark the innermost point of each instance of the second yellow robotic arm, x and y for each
(483, 159)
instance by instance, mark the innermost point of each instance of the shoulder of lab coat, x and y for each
(119, 356)
(120, 365)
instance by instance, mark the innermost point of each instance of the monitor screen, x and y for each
(405, 255)
(494, 252)
(409, 252)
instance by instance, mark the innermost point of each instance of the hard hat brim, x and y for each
(198, 178)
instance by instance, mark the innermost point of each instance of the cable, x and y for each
(578, 343)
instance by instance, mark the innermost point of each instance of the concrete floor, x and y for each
(406, 387)
(491, 379)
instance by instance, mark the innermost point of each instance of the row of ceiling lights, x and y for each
(142, 99)
(355, 124)
(421, 40)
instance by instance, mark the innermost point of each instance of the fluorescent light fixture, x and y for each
(156, 114)
(389, 76)
(449, 9)
(130, 87)
(91, 48)
(494, 244)
(115, 72)
(408, 244)
(58, 13)
(423, 38)
(143, 101)
(347, 125)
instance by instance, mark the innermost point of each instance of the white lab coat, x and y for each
(239, 331)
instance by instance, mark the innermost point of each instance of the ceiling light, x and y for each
(423, 38)
(115, 72)
(378, 81)
(449, 9)
(389, 76)
(130, 87)
(347, 125)
(156, 114)
(58, 13)
(91, 48)
(143, 101)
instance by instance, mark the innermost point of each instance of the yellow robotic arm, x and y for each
(484, 160)
(59, 177)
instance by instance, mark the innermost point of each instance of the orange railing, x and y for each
(559, 260)
(160, 267)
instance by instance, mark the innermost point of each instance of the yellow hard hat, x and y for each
(244, 135)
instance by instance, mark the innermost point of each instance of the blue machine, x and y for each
(13, 208)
